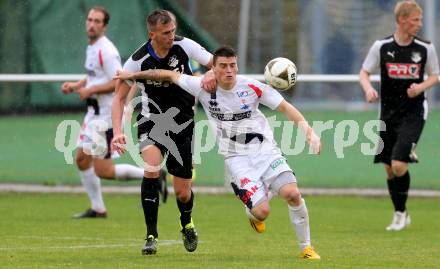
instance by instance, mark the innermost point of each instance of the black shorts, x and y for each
(400, 139)
(178, 147)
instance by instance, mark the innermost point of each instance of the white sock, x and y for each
(128, 171)
(92, 184)
(300, 221)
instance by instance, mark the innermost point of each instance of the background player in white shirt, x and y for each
(403, 59)
(252, 157)
(93, 157)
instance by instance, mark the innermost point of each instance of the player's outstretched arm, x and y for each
(152, 74)
(370, 93)
(295, 116)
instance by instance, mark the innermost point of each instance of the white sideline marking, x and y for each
(382, 192)
(161, 243)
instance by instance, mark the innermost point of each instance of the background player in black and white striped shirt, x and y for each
(404, 59)
(157, 137)
(93, 156)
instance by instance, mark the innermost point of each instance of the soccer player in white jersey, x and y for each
(403, 59)
(93, 157)
(252, 157)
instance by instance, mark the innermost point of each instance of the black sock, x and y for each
(150, 203)
(401, 188)
(185, 210)
(392, 191)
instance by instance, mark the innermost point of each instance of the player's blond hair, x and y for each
(404, 8)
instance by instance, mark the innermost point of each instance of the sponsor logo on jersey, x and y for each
(173, 61)
(416, 57)
(243, 105)
(242, 94)
(276, 163)
(403, 70)
(229, 116)
(391, 53)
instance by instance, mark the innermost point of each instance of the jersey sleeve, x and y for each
(196, 51)
(432, 67)
(191, 84)
(111, 62)
(269, 96)
(371, 62)
(132, 67)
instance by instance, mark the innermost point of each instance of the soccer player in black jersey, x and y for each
(403, 59)
(165, 125)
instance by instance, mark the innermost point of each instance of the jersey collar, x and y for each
(152, 52)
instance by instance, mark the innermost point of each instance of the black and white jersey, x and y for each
(164, 95)
(400, 66)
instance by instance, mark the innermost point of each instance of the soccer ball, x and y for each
(280, 73)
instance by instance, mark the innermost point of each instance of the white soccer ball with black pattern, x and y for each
(280, 73)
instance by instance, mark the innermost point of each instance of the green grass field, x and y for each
(28, 155)
(348, 232)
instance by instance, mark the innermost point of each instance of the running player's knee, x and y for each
(399, 168)
(293, 197)
(261, 211)
(183, 194)
(291, 194)
(151, 174)
(83, 161)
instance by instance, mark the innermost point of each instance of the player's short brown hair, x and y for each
(223, 51)
(161, 16)
(104, 11)
(404, 8)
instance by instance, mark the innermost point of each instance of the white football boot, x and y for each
(399, 222)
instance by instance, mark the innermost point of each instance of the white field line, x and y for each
(74, 247)
(35, 188)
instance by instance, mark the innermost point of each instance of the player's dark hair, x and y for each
(161, 16)
(104, 11)
(223, 51)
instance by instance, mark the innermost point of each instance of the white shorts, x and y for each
(253, 176)
(95, 137)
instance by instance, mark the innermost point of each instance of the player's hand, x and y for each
(314, 142)
(414, 90)
(118, 143)
(68, 87)
(84, 93)
(371, 95)
(123, 75)
(209, 83)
